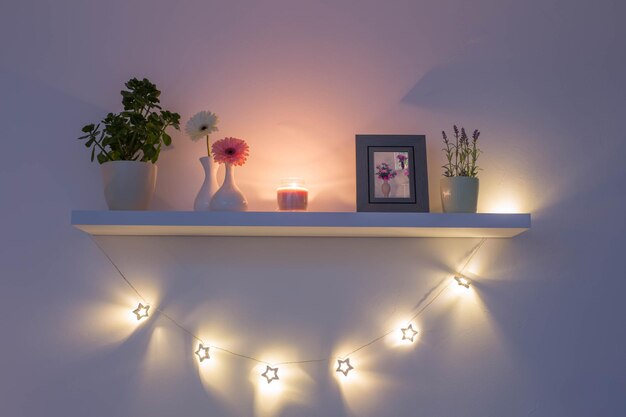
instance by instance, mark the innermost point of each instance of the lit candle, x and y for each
(292, 195)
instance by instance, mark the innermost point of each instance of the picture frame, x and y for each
(391, 173)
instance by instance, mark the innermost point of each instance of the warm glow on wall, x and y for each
(462, 282)
(270, 374)
(202, 352)
(505, 206)
(267, 375)
(141, 311)
(409, 333)
(290, 384)
(344, 366)
(509, 197)
(269, 385)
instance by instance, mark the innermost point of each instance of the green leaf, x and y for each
(138, 132)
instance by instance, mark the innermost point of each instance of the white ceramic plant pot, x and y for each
(128, 185)
(229, 197)
(209, 186)
(459, 194)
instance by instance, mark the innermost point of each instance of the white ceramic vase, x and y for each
(209, 186)
(459, 194)
(229, 197)
(128, 185)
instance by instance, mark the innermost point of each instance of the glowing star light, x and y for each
(462, 281)
(141, 311)
(203, 352)
(270, 374)
(343, 366)
(409, 333)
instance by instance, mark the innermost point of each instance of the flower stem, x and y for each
(208, 148)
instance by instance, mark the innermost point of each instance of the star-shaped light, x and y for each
(203, 352)
(270, 374)
(141, 311)
(409, 333)
(343, 366)
(462, 281)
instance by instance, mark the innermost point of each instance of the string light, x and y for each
(462, 281)
(409, 333)
(344, 366)
(270, 374)
(141, 311)
(203, 352)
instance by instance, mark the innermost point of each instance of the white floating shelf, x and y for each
(321, 224)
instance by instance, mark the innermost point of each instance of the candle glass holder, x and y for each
(292, 195)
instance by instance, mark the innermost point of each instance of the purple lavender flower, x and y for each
(461, 154)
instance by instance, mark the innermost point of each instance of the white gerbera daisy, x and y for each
(201, 125)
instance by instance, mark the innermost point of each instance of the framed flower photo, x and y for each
(391, 173)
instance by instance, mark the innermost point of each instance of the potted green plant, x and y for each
(459, 186)
(128, 144)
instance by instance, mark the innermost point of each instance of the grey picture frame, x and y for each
(413, 145)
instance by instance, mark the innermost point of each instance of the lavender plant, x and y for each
(461, 154)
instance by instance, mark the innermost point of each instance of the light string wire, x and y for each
(420, 311)
(243, 356)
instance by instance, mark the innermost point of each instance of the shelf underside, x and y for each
(313, 224)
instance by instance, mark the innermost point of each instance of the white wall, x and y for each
(544, 332)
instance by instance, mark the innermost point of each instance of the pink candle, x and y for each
(292, 195)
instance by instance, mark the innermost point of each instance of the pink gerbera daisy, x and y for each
(230, 151)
